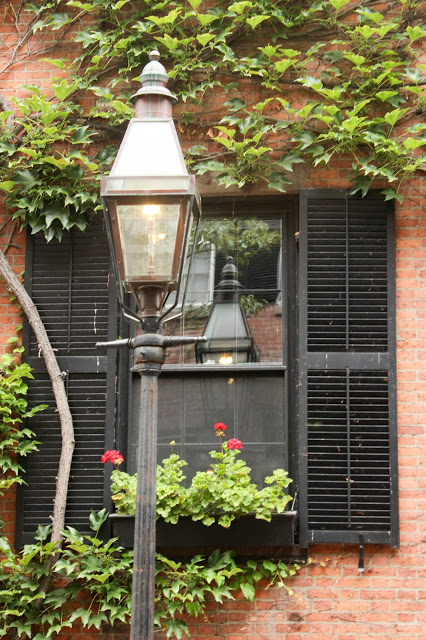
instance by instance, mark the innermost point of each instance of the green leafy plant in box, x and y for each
(222, 493)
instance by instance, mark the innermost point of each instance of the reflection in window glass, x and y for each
(255, 247)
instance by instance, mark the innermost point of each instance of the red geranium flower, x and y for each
(112, 456)
(234, 443)
(220, 428)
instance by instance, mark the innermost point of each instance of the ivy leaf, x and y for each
(414, 75)
(7, 185)
(391, 117)
(352, 123)
(338, 4)
(170, 43)
(58, 20)
(195, 4)
(239, 7)
(85, 6)
(288, 160)
(391, 194)
(366, 31)
(311, 82)
(82, 614)
(62, 89)
(211, 165)
(57, 62)
(411, 143)
(355, 58)
(7, 147)
(278, 181)
(26, 178)
(332, 94)
(306, 138)
(205, 18)
(196, 150)
(81, 135)
(236, 104)
(254, 21)
(60, 163)
(361, 183)
(269, 566)
(282, 65)
(416, 32)
(385, 95)
(97, 519)
(289, 53)
(248, 591)
(119, 5)
(204, 38)
(56, 212)
(170, 18)
(175, 627)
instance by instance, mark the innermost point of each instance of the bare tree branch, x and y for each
(57, 378)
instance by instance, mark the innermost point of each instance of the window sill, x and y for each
(247, 536)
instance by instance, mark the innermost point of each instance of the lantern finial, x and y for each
(153, 99)
(154, 74)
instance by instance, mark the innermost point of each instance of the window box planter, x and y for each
(246, 535)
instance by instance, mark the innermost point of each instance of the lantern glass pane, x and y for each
(148, 239)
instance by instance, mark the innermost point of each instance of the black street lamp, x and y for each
(150, 204)
(228, 337)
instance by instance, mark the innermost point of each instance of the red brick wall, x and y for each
(331, 600)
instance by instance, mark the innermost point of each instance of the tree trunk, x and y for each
(57, 378)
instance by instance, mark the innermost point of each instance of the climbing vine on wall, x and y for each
(262, 86)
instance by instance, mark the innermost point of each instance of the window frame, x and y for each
(284, 208)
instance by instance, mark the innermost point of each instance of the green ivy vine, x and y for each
(16, 438)
(98, 576)
(263, 85)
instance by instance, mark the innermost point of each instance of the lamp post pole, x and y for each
(149, 351)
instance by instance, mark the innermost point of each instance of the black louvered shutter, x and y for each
(69, 283)
(347, 407)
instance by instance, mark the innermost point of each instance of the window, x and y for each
(251, 397)
(317, 289)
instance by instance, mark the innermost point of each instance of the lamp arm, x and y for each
(152, 340)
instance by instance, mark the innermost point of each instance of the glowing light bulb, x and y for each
(161, 236)
(225, 359)
(150, 209)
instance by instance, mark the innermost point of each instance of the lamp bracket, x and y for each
(150, 349)
(152, 340)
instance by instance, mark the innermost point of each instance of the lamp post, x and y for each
(150, 203)
(228, 337)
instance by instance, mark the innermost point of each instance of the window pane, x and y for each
(252, 407)
(255, 245)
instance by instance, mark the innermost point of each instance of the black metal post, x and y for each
(143, 587)
(149, 356)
